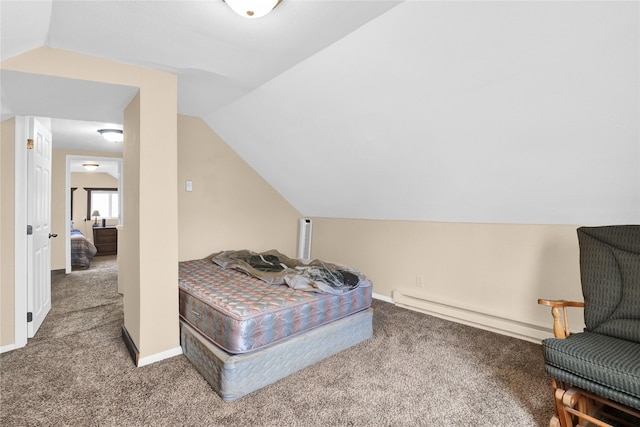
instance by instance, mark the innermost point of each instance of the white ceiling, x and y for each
(479, 111)
(77, 108)
(218, 56)
(104, 166)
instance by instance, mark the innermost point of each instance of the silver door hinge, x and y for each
(29, 230)
(29, 317)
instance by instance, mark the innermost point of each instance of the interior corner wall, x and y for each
(487, 275)
(157, 281)
(7, 234)
(231, 206)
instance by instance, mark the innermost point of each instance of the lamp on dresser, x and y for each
(95, 214)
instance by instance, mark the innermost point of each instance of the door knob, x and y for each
(52, 235)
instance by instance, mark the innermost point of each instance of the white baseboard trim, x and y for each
(382, 298)
(148, 360)
(8, 347)
(468, 316)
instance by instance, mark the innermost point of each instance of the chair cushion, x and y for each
(624, 319)
(610, 274)
(598, 363)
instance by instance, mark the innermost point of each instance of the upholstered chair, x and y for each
(595, 374)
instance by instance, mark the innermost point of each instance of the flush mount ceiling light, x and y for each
(113, 135)
(252, 9)
(90, 166)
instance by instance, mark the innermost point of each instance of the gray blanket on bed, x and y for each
(276, 268)
(82, 250)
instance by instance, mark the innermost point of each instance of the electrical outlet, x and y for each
(419, 281)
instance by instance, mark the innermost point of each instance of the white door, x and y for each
(39, 218)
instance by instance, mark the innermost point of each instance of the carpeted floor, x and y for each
(417, 370)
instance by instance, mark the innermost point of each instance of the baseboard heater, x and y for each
(472, 317)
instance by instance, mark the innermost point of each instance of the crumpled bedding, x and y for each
(276, 268)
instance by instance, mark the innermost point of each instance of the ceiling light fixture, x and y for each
(90, 166)
(252, 9)
(112, 135)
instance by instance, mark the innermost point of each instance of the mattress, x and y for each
(241, 314)
(233, 376)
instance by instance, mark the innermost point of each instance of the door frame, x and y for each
(67, 199)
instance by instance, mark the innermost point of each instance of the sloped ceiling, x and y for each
(513, 112)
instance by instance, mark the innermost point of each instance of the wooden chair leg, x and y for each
(566, 420)
(575, 397)
(579, 408)
(559, 419)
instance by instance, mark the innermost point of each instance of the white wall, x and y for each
(462, 142)
(492, 112)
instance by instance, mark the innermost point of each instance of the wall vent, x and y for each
(304, 241)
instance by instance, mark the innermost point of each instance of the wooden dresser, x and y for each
(105, 240)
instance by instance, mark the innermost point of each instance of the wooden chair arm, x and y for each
(560, 303)
(560, 330)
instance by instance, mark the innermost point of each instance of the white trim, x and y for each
(473, 317)
(143, 361)
(20, 253)
(7, 347)
(383, 298)
(67, 215)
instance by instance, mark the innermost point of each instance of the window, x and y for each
(103, 200)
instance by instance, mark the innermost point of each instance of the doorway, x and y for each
(80, 184)
(27, 94)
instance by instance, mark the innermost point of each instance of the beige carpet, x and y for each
(416, 370)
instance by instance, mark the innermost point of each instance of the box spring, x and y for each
(233, 376)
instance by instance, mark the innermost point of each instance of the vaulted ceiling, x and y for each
(515, 112)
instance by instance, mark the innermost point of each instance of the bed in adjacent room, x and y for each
(82, 249)
(248, 320)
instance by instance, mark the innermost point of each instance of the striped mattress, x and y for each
(241, 314)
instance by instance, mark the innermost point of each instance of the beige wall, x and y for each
(129, 253)
(159, 327)
(231, 206)
(487, 273)
(7, 238)
(156, 167)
